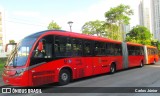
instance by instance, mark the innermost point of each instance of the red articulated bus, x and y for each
(61, 56)
(151, 55)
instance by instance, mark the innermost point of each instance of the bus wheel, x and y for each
(112, 68)
(154, 62)
(141, 65)
(64, 77)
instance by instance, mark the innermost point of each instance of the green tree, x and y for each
(111, 31)
(53, 25)
(158, 45)
(119, 15)
(139, 34)
(93, 28)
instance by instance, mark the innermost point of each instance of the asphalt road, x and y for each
(147, 76)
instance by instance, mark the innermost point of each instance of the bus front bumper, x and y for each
(15, 80)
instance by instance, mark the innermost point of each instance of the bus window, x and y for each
(77, 47)
(149, 51)
(118, 49)
(44, 48)
(43, 51)
(87, 48)
(131, 50)
(99, 48)
(68, 47)
(23, 51)
(141, 51)
(156, 51)
(137, 50)
(110, 49)
(62, 46)
(153, 51)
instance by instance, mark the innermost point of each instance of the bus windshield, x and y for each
(19, 55)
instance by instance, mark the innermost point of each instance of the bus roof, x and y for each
(79, 35)
(134, 44)
(148, 46)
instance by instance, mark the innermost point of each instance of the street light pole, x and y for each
(70, 25)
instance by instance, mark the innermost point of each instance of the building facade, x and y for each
(1, 31)
(145, 14)
(155, 13)
(1, 35)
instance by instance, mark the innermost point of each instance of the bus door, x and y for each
(40, 71)
(78, 61)
(99, 62)
(88, 57)
(155, 55)
(150, 56)
(132, 58)
(99, 65)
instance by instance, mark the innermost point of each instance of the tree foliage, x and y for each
(158, 45)
(101, 28)
(111, 28)
(93, 28)
(53, 25)
(111, 31)
(119, 15)
(139, 34)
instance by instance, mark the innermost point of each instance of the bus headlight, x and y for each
(20, 72)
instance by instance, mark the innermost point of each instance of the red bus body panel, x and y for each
(135, 60)
(152, 57)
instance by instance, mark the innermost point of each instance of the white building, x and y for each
(2, 33)
(145, 14)
(149, 15)
(155, 13)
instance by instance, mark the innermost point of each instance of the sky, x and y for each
(24, 17)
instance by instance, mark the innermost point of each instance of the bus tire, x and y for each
(112, 68)
(64, 77)
(141, 65)
(154, 62)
